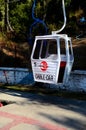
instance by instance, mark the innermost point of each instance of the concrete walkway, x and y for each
(38, 112)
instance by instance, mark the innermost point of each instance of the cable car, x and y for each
(52, 57)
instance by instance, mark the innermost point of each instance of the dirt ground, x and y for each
(79, 49)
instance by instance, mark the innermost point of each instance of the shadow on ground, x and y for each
(75, 106)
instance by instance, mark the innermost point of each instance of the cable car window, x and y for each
(48, 47)
(52, 46)
(43, 48)
(40, 49)
(62, 46)
(69, 47)
(37, 50)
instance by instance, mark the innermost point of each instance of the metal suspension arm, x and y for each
(64, 15)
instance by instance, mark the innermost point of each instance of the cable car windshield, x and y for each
(44, 48)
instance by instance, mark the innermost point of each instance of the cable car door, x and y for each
(45, 59)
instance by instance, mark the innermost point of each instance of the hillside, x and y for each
(18, 55)
(79, 48)
(14, 54)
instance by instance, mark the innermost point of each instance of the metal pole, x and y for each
(64, 14)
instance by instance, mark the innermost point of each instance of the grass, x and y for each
(46, 91)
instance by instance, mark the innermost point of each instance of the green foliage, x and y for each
(50, 11)
(67, 2)
(2, 13)
(20, 17)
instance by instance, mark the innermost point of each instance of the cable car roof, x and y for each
(55, 36)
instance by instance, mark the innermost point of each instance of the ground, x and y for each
(18, 54)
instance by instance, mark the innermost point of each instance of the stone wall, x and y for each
(77, 80)
(15, 76)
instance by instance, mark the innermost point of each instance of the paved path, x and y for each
(38, 112)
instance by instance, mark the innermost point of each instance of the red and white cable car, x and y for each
(52, 57)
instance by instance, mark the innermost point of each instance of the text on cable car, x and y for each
(44, 77)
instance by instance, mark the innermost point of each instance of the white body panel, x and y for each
(49, 75)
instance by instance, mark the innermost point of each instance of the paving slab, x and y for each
(30, 111)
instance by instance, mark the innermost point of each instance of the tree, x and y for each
(2, 13)
(20, 19)
(20, 16)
